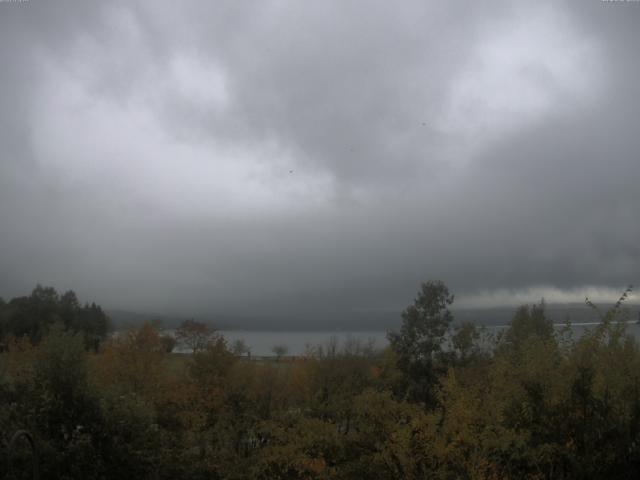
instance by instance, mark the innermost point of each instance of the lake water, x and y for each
(262, 342)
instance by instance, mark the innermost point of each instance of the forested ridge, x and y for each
(445, 400)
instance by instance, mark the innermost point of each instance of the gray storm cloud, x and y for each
(318, 158)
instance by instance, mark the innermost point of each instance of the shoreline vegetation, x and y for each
(442, 400)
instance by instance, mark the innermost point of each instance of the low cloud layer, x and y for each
(300, 160)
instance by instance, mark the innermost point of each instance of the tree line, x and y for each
(442, 401)
(31, 316)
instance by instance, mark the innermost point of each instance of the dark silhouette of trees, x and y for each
(241, 348)
(528, 321)
(418, 345)
(34, 314)
(194, 335)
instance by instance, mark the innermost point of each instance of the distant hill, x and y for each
(576, 313)
(121, 319)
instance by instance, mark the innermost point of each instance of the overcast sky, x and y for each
(277, 158)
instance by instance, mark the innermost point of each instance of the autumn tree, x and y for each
(133, 361)
(54, 401)
(194, 335)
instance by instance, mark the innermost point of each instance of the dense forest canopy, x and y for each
(443, 401)
(34, 314)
